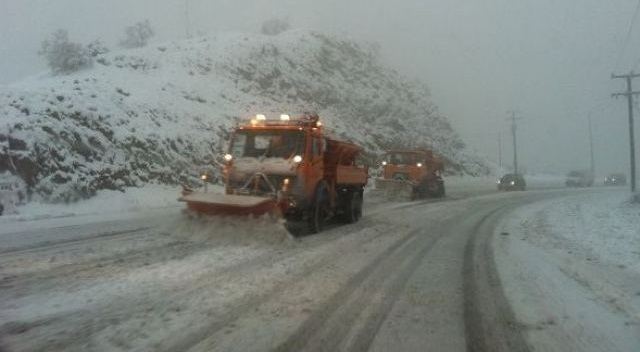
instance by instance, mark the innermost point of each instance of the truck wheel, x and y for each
(1, 209)
(296, 228)
(360, 201)
(318, 212)
(420, 191)
(352, 208)
(435, 188)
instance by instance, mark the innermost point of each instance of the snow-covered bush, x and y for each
(137, 35)
(275, 26)
(96, 48)
(62, 55)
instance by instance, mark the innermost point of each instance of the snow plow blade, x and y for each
(395, 189)
(228, 204)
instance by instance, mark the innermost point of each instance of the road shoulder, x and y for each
(567, 267)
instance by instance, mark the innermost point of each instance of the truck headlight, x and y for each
(228, 157)
(419, 164)
(384, 163)
(297, 159)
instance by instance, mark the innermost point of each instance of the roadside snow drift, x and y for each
(571, 268)
(162, 112)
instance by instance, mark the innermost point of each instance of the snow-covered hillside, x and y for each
(161, 113)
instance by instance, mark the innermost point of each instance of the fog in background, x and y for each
(550, 60)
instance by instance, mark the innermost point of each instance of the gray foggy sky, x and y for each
(548, 59)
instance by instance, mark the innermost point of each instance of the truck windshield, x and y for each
(403, 158)
(269, 144)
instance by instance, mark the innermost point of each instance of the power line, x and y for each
(628, 38)
(599, 107)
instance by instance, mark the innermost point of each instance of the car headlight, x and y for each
(297, 159)
(513, 183)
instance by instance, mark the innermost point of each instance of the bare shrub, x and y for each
(97, 48)
(137, 35)
(62, 55)
(275, 26)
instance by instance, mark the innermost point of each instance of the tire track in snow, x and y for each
(77, 326)
(50, 245)
(490, 323)
(251, 301)
(328, 329)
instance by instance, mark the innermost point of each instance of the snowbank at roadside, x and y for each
(151, 196)
(571, 268)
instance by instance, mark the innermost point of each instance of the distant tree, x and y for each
(137, 35)
(96, 48)
(62, 55)
(275, 26)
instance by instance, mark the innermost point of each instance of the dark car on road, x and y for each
(512, 182)
(615, 180)
(579, 179)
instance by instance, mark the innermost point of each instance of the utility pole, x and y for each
(500, 151)
(593, 164)
(515, 144)
(629, 94)
(186, 17)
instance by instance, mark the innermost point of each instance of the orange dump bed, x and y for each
(340, 162)
(351, 175)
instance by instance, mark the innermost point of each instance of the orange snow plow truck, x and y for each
(289, 167)
(411, 174)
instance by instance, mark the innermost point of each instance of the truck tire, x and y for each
(296, 228)
(420, 191)
(352, 207)
(318, 211)
(441, 190)
(434, 188)
(1, 209)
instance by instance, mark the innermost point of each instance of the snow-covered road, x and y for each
(409, 276)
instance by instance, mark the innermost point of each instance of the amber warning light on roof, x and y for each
(261, 119)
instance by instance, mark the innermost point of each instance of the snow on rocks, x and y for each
(571, 267)
(161, 113)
